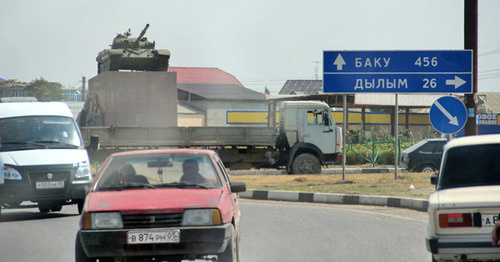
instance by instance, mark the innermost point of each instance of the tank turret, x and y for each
(132, 53)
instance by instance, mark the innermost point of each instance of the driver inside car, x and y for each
(190, 171)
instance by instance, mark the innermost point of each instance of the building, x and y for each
(214, 94)
(13, 88)
(73, 94)
(375, 111)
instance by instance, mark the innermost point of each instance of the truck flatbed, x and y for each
(181, 136)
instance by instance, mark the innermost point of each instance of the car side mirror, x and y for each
(237, 187)
(434, 180)
(94, 143)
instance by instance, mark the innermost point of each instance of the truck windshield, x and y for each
(471, 166)
(31, 132)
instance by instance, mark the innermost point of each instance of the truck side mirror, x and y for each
(94, 143)
(327, 120)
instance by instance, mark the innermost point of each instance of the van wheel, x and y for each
(56, 208)
(306, 163)
(80, 206)
(44, 207)
(428, 169)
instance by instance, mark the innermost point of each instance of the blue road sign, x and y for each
(448, 115)
(397, 71)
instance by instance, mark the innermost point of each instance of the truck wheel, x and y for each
(306, 163)
(80, 255)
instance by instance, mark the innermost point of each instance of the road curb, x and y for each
(325, 171)
(329, 198)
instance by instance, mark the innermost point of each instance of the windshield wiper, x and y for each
(29, 143)
(56, 142)
(182, 185)
(125, 186)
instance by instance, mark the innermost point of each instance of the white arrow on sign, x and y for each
(339, 62)
(453, 119)
(457, 82)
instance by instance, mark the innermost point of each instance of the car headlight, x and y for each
(201, 217)
(83, 171)
(11, 173)
(101, 220)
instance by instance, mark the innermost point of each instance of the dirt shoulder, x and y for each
(411, 185)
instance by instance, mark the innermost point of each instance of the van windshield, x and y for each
(471, 166)
(32, 132)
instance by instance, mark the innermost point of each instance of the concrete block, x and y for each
(142, 99)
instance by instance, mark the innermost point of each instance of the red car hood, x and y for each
(152, 200)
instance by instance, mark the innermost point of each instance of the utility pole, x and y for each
(316, 69)
(470, 42)
(84, 80)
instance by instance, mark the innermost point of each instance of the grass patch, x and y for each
(361, 184)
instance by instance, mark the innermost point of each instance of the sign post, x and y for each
(442, 71)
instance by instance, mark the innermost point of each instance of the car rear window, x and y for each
(471, 166)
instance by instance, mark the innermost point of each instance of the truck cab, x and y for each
(311, 134)
(43, 156)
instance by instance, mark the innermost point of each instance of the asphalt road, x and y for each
(283, 231)
(271, 231)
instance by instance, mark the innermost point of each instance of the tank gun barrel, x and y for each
(143, 32)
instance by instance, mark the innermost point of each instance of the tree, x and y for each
(44, 90)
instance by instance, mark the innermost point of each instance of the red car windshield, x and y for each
(178, 170)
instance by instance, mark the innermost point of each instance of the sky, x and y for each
(263, 43)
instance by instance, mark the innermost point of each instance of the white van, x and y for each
(43, 156)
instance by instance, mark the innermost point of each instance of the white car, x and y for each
(466, 203)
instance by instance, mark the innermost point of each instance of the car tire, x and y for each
(306, 163)
(428, 169)
(80, 255)
(231, 254)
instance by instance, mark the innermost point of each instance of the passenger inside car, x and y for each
(126, 174)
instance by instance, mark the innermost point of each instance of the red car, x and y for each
(160, 204)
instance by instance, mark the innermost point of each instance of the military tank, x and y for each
(132, 53)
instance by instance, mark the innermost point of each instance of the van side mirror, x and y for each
(94, 143)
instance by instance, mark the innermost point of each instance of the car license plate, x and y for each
(153, 237)
(50, 185)
(488, 219)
